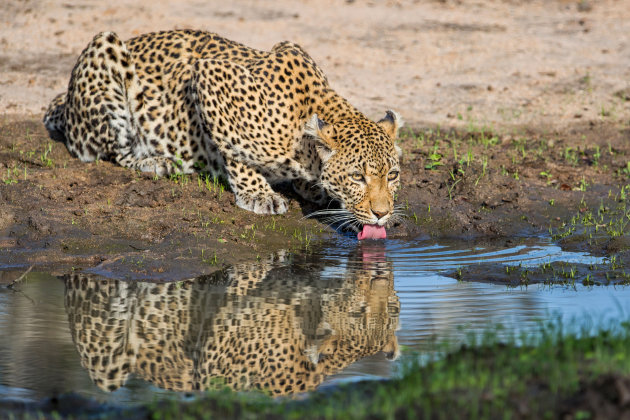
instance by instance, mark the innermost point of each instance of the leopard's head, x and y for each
(360, 167)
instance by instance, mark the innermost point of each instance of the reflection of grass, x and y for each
(488, 377)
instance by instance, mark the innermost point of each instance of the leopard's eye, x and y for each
(392, 176)
(357, 176)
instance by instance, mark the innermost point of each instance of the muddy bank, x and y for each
(531, 179)
(57, 212)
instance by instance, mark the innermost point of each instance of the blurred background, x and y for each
(499, 63)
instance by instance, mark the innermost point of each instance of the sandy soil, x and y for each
(547, 81)
(497, 62)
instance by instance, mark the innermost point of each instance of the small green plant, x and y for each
(596, 156)
(622, 194)
(583, 184)
(178, 162)
(211, 260)
(520, 145)
(11, 177)
(45, 158)
(453, 174)
(546, 175)
(570, 155)
(451, 188)
(484, 166)
(434, 160)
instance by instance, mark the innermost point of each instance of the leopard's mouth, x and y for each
(349, 218)
(363, 219)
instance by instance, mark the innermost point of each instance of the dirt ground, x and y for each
(517, 118)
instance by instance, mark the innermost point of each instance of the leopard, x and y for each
(185, 101)
(270, 326)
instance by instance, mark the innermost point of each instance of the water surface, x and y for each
(289, 323)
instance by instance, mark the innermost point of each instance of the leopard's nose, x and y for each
(379, 213)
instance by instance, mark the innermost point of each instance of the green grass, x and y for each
(598, 223)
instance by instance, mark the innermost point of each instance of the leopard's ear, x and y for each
(324, 134)
(391, 123)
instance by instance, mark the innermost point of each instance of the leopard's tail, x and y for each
(54, 119)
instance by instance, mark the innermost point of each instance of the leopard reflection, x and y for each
(274, 326)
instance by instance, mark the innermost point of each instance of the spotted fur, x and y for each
(258, 326)
(179, 101)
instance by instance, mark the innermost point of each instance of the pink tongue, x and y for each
(372, 232)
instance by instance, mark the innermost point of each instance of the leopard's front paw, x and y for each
(262, 203)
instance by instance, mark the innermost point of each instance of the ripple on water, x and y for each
(342, 307)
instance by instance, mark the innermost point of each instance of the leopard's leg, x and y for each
(99, 318)
(248, 162)
(103, 93)
(252, 190)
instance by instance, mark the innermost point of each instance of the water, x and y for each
(289, 323)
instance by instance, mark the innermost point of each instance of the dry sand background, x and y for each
(505, 63)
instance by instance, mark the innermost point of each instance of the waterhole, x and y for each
(288, 323)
